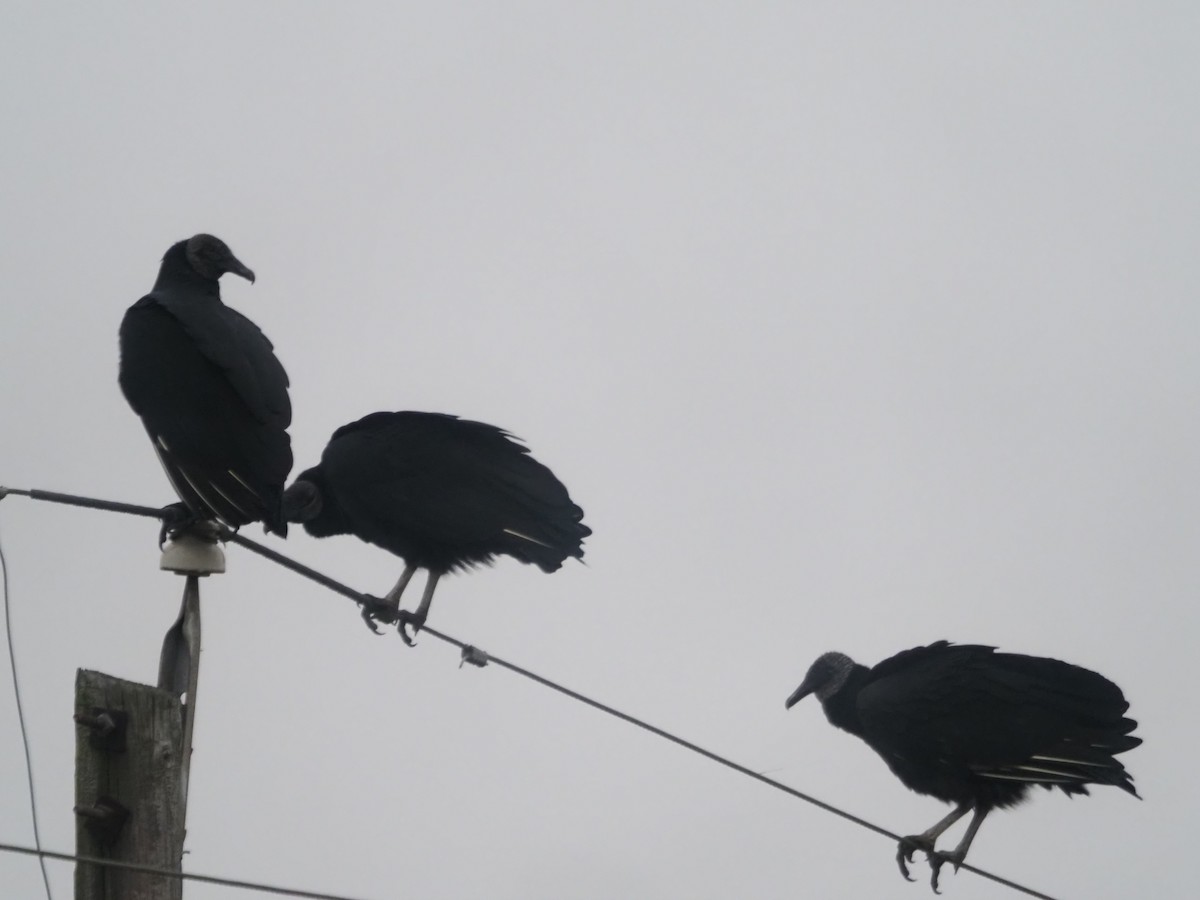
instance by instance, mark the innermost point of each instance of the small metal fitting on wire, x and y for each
(474, 656)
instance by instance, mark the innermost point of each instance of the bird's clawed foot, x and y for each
(406, 618)
(907, 847)
(380, 612)
(376, 610)
(176, 518)
(937, 859)
(388, 609)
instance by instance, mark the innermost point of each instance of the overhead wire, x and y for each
(171, 873)
(12, 660)
(472, 654)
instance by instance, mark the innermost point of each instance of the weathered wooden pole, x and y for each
(133, 752)
(127, 787)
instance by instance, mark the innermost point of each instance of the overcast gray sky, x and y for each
(850, 326)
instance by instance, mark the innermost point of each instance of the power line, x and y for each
(478, 657)
(169, 873)
(474, 655)
(12, 659)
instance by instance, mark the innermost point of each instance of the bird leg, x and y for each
(937, 858)
(417, 619)
(387, 609)
(925, 841)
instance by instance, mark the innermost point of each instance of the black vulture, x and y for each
(977, 728)
(442, 493)
(209, 389)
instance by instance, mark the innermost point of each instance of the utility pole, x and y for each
(133, 749)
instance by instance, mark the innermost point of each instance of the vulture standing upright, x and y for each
(209, 389)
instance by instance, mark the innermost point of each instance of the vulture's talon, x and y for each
(176, 517)
(405, 619)
(376, 610)
(369, 617)
(907, 847)
(937, 859)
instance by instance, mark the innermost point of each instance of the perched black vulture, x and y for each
(440, 492)
(977, 728)
(209, 389)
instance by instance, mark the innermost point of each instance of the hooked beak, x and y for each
(237, 268)
(799, 694)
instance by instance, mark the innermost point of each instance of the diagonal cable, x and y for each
(12, 659)
(477, 657)
(171, 873)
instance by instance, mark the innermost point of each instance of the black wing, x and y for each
(213, 398)
(239, 349)
(941, 713)
(443, 492)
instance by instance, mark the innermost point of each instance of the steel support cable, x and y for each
(170, 873)
(12, 659)
(472, 654)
